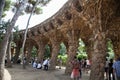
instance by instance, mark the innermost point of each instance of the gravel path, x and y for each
(17, 73)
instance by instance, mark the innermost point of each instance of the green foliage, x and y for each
(63, 58)
(47, 51)
(44, 2)
(41, 2)
(32, 2)
(38, 10)
(62, 53)
(16, 33)
(29, 6)
(34, 51)
(82, 56)
(7, 7)
(3, 28)
(13, 44)
(81, 50)
(110, 50)
(81, 53)
(62, 49)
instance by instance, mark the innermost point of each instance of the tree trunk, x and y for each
(24, 40)
(97, 14)
(2, 51)
(116, 48)
(2, 3)
(4, 43)
(9, 64)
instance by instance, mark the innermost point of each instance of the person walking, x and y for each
(80, 68)
(116, 68)
(110, 70)
(75, 69)
(106, 68)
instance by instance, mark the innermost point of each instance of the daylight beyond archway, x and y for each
(86, 29)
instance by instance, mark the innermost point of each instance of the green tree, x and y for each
(3, 28)
(110, 50)
(4, 43)
(34, 52)
(47, 51)
(62, 49)
(32, 11)
(62, 53)
(7, 7)
(2, 4)
(81, 50)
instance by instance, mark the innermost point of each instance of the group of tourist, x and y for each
(77, 66)
(39, 65)
(112, 69)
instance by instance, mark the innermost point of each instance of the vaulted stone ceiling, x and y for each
(75, 15)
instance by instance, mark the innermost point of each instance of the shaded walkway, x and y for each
(18, 73)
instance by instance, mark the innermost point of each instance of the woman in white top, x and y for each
(39, 66)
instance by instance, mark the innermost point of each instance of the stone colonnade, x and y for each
(92, 21)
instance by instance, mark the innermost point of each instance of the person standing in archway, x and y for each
(110, 69)
(75, 69)
(116, 68)
(106, 68)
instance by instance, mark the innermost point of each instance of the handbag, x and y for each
(72, 76)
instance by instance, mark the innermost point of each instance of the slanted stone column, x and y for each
(71, 53)
(55, 51)
(72, 48)
(116, 47)
(97, 14)
(89, 49)
(41, 50)
(98, 57)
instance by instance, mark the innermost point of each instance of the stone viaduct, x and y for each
(94, 21)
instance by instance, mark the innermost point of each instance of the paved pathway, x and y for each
(17, 73)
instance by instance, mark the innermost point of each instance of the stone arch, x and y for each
(81, 19)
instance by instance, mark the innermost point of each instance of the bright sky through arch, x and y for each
(48, 10)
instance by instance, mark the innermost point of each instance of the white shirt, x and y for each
(34, 65)
(107, 64)
(39, 65)
(45, 62)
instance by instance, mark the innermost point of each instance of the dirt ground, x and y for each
(17, 73)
